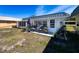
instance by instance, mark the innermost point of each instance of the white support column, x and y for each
(32, 22)
(26, 23)
(17, 24)
(48, 23)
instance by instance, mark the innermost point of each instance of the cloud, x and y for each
(40, 10)
(63, 8)
(70, 10)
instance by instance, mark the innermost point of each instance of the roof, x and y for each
(5, 18)
(75, 12)
(63, 13)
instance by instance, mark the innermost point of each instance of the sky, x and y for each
(22, 11)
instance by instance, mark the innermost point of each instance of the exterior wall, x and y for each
(57, 25)
(57, 17)
(32, 22)
(7, 25)
(76, 17)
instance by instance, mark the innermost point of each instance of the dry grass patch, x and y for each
(33, 42)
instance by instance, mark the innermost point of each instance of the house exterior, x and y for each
(7, 22)
(75, 15)
(52, 21)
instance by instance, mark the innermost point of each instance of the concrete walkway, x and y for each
(50, 35)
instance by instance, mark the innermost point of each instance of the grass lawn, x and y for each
(33, 43)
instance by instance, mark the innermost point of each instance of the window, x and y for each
(70, 23)
(52, 23)
(61, 23)
(45, 23)
(22, 23)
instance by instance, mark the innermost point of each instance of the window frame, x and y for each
(52, 24)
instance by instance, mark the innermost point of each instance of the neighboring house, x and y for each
(75, 15)
(52, 21)
(8, 22)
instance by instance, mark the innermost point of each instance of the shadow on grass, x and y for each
(58, 45)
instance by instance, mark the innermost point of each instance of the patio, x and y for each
(39, 26)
